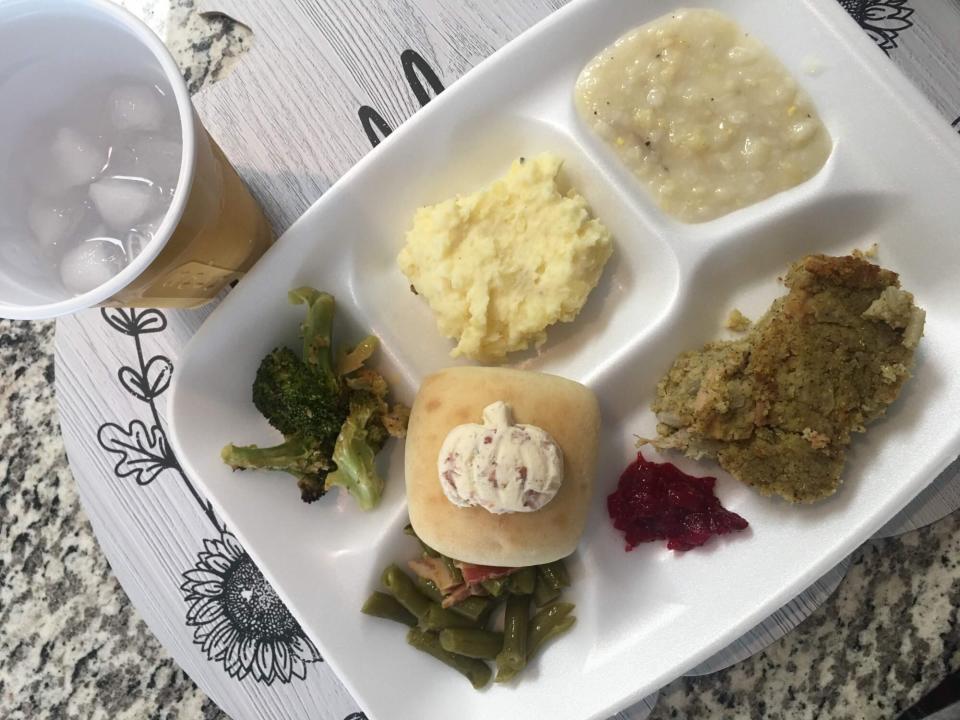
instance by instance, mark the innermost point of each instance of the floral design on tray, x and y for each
(883, 20)
(238, 620)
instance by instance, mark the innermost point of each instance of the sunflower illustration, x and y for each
(238, 619)
(883, 20)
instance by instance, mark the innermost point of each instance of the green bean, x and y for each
(523, 581)
(492, 603)
(402, 588)
(543, 593)
(454, 570)
(386, 606)
(427, 550)
(513, 656)
(555, 574)
(476, 671)
(562, 571)
(437, 618)
(473, 607)
(428, 588)
(471, 642)
(484, 618)
(553, 620)
(494, 586)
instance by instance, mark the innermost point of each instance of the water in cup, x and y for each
(111, 191)
(99, 174)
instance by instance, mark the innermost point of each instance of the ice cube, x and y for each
(136, 107)
(42, 175)
(150, 226)
(31, 156)
(123, 201)
(76, 157)
(122, 158)
(91, 264)
(134, 242)
(53, 220)
(140, 236)
(25, 267)
(150, 157)
(159, 159)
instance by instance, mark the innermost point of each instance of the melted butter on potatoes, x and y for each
(501, 265)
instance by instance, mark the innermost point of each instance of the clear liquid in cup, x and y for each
(90, 150)
(98, 174)
(90, 156)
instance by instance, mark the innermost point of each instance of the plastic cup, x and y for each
(213, 230)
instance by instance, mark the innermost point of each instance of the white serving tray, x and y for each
(647, 616)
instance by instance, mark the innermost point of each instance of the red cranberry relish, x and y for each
(658, 501)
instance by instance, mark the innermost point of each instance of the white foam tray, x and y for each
(647, 616)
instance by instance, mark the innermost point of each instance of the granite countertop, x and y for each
(72, 646)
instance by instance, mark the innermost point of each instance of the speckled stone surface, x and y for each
(886, 637)
(72, 646)
(206, 46)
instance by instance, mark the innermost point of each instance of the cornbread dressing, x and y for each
(501, 265)
(703, 113)
(777, 408)
(737, 321)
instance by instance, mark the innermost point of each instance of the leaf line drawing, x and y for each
(238, 621)
(236, 617)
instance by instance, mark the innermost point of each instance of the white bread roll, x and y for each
(565, 409)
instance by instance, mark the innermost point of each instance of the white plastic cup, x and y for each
(213, 230)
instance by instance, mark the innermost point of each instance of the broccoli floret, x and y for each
(355, 451)
(300, 456)
(317, 332)
(294, 398)
(334, 418)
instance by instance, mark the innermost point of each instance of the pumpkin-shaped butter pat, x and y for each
(500, 466)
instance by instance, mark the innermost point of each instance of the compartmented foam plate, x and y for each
(647, 616)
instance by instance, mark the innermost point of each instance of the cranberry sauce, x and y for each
(658, 501)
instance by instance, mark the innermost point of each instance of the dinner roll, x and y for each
(455, 396)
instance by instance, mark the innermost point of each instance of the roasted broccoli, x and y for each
(354, 454)
(293, 397)
(303, 457)
(334, 416)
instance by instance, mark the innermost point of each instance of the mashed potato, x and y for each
(501, 265)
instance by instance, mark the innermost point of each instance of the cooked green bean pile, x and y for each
(459, 636)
